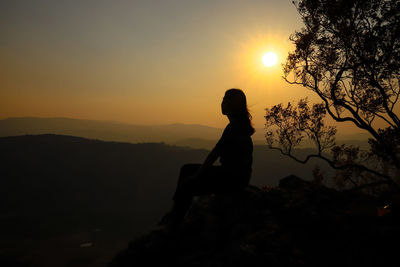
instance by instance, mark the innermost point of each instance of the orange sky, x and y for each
(143, 62)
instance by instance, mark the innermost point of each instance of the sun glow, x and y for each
(269, 59)
(252, 70)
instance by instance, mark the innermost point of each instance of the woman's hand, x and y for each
(189, 179)
(199, 172)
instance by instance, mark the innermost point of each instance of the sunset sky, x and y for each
(143, 62)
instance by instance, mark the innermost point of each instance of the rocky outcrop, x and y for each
(297, 223)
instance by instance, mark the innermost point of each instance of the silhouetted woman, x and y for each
(235, 150)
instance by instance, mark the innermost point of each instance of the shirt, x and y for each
(236, 149)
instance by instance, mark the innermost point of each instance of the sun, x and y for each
(269, 59)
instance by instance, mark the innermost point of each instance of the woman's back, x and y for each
(236, 148)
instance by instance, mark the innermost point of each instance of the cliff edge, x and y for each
(298, 223)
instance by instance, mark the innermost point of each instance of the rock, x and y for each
(296, 224)
(292, 182)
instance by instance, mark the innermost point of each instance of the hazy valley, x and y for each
(73, 191)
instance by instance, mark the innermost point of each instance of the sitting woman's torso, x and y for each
(236, 149)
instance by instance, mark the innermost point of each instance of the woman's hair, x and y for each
(238, 108)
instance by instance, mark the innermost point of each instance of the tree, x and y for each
(348, 53)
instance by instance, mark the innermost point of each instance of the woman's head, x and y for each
(234, 104)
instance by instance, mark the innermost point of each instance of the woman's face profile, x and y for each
(224, 106)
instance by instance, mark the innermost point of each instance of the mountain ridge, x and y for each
(193, 135)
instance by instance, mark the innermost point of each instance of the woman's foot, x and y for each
(170, 222)
(166, 219)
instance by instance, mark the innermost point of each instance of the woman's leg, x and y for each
(185, 174)
(183, 195)
(214, 180)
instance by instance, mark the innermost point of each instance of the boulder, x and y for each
(297, 223)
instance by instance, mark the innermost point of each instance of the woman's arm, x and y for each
(211, 158)
(213, 155)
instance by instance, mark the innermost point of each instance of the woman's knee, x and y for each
(188, 169)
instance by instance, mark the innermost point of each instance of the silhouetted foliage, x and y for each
(348, 53)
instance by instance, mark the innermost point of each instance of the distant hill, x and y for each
(53, 175)
(191, 135)
(104, 130)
